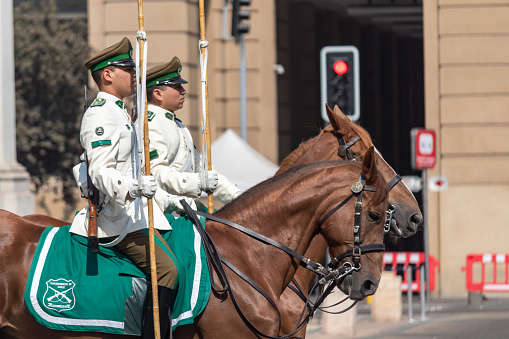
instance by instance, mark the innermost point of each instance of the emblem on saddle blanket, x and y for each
(59, 295)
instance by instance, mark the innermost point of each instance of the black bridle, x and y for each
(328, 275)
(345, 153)
(358, 249)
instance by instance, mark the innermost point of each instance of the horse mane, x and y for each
(356, 130)
(362, 133)
(296, 171)
(296, 154)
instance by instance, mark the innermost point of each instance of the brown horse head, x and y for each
(364, 281)
(407, 216)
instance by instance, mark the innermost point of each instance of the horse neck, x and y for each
(316, 252)
(277, 215)
(287, 214)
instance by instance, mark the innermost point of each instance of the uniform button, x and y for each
(184, 181)
(119, 182)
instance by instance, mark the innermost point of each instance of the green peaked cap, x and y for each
(119, 54)
(166, 74)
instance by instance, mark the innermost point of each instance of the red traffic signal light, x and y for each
(340, 67)
(339, 80)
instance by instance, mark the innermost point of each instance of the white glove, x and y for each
(173, 204)
(148, 185)
(147, 188)
(135, 189)
(211, 183)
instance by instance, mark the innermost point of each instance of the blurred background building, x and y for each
(438, 64)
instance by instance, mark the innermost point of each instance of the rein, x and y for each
(333, 277)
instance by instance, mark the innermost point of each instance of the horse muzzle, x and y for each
(358, 289)
(404, 225)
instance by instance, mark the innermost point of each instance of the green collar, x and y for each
(169, 115)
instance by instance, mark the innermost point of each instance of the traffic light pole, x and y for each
(243, 99)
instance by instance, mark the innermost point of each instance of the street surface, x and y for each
(445, 319)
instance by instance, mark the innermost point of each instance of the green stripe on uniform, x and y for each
(153, 154)
(101, 143)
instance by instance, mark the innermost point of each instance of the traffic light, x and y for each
(339, 77)
(238, 15)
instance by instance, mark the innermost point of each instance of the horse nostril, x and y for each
(416, 219)
(368, 287)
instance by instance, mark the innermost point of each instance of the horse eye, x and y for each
(374, 216)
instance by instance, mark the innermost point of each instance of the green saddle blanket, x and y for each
(71, 288)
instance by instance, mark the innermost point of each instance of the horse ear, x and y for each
(337, 119)
(330, 114)
(369, 167)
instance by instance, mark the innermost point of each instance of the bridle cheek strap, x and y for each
(358, 249)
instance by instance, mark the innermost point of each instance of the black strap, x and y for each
(394, 181)
(363, 248)
(297, 290)
(214, 257)
(304, 261)
(210, 251)
(341, 204)
(253, 284)
(344, 148)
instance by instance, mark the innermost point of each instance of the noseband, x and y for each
(345, 153)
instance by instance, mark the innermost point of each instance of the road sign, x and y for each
(413, 182)
(437, 184)
(423, 148)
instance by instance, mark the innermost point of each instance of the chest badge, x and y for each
(99, 130)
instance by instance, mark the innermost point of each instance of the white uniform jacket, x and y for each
(109, 140)
(174, 161)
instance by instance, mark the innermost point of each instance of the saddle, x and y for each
(71, 288)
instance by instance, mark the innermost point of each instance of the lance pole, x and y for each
(205, 96)
(143, 106)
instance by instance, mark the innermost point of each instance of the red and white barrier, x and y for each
(416, 259)
(487, 261)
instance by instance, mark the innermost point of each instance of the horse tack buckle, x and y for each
(357, 187)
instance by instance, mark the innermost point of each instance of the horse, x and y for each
(302, 202)
(343, 139)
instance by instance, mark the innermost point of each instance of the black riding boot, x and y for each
(165, 297)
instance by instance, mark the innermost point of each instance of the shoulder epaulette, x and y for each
(98, 102)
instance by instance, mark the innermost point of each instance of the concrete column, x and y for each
(343, 323)
(387, 301)
(15, 194)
